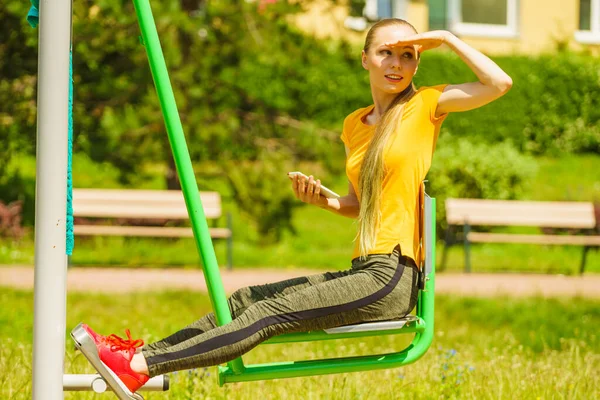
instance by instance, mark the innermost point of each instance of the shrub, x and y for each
(553, 106)
(464, 169)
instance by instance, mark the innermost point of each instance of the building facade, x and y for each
(493, 26)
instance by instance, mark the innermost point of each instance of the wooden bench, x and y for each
(144, 206)
(543, 214)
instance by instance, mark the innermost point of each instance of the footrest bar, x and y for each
(95, 382)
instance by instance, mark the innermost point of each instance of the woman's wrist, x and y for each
(327, 204)
(343, 206)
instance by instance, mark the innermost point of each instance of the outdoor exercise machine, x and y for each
(49, 380)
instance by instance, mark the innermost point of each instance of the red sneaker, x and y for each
(117, 353)
(99, 339)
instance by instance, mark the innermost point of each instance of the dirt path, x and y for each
(112, 280)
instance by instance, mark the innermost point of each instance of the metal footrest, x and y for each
(86, 345)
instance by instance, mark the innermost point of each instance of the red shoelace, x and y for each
(117, 343)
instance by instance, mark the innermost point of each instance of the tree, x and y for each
(18, 82)
(245, 82)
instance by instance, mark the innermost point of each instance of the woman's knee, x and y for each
(240, 300)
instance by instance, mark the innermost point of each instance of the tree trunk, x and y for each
(171, 176)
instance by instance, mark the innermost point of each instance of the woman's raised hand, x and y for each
(308, 190)
(424, 41)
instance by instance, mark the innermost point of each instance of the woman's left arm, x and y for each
(493, 81)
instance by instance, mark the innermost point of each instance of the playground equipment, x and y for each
(51, 261)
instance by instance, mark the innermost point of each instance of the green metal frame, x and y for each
(422, 328)
(236, 371)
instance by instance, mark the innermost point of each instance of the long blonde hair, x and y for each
(372, 171)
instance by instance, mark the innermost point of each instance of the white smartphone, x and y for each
(324, 191)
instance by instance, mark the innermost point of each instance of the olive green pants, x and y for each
(382, 287)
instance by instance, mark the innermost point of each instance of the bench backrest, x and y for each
(133, 203)
(551, 214)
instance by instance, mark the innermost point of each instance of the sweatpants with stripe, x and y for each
(382, 287)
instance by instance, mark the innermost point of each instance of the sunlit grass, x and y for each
(325, 241)
(568, 178)
(304, 253)
(483, 349)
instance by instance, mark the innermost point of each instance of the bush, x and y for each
(463, 169)
(262, 192)
(553, 106)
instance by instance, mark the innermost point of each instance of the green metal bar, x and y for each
(184, 166)
(295, 369)
(418, 347)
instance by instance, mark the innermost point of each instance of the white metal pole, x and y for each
(50, 205)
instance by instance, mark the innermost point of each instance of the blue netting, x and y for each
(70, 236)
(33, 17)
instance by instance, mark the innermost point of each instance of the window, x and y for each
(486, 18)
(375, 10)
(589, 22)
(438, 14)
(378, 9)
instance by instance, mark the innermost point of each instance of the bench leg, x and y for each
(583, 259)
(229, 243)
(448, 241)
(467, 247)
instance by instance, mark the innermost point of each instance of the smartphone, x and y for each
(324, 191)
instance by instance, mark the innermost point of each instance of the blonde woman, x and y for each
(389, 147)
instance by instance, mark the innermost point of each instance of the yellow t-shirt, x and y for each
(407, 159)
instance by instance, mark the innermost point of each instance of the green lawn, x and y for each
(325, 241)
(483, 349)
(569, 178)
(312, 249)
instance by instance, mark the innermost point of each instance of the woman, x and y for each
(389, 147)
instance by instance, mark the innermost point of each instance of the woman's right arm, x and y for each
(309, 192)
(346, 206)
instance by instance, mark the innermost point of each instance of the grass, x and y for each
(483, 349)
(325, 241)
(299, 254)
(569, 178)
